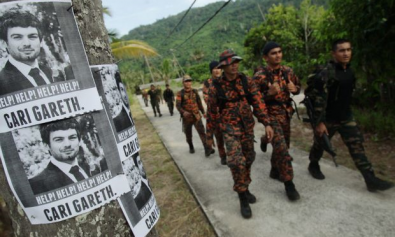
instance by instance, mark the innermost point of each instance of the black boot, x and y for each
(251, 197)
(263, 144)
(291, 191)
(191, 148)
(373, 183)
(155, 114)
(274, 174)
(208, 151)
(223, 160)
(160, 115)
(245, 208)
(315, 171)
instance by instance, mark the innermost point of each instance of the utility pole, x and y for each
(149, 68)
(263, 15)
(175, 59)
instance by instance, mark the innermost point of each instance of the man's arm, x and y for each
(205, 89)
(259, 106)
(318, 96)
(294, 85)
(165, 95)
(260, 110)
(178, 103)
(212, 114)
(261, 81)
(199, 102)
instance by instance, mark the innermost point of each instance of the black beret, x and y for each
(269, 46)
(213, 65)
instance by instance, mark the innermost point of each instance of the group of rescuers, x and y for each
(232, 99)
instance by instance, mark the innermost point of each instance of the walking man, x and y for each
(330, 91)
(154, 98)
(215, 73)
(230, 99)
(168, 96)
(189, 104)
(145, 97)
(276, 83)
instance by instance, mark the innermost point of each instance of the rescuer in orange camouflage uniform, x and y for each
(276, 83)
(230, 99)
(215, 73)
(188, 103)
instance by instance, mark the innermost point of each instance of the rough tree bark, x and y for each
(109, 219)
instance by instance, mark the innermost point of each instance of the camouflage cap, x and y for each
(228, 57)
(186, 77)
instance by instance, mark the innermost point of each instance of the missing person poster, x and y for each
(139, 205)
(116, 104)
(57, 144)
(63, 168)
(44, 72)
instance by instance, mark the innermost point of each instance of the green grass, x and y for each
(379, 123)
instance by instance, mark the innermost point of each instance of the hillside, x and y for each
(226, 30)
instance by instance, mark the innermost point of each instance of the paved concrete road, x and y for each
(338, 206)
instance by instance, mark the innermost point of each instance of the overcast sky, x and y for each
(129, 14)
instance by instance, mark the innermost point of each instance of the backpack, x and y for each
(290, 102)
(270, 76)
(222, 97)
(183, 94)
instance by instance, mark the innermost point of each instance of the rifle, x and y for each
(324, 139)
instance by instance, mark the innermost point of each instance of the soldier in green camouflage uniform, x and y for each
(154, 97)
(330, 90)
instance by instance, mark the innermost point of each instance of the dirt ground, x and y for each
(380, 153)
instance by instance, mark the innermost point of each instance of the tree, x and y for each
(166, 70)
(132, 49)
(197, 55)
(109, 219)
(295, 29)
(370, 26)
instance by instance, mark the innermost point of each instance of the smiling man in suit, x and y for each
(22, 33)
(67, 164)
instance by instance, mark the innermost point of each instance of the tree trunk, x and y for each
(149, 68)
(109, 219)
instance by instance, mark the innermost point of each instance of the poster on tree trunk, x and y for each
(56, 141)
(68, 145)
(44, 71)
(64, 168)
(139, 205)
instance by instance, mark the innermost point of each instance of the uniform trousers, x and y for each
(240, 156)
(352, 138)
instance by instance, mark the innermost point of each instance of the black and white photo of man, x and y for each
(124, 118)
(139, 185)
(139, 164)
(116, 97)
(67, 164)
(26, 65)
